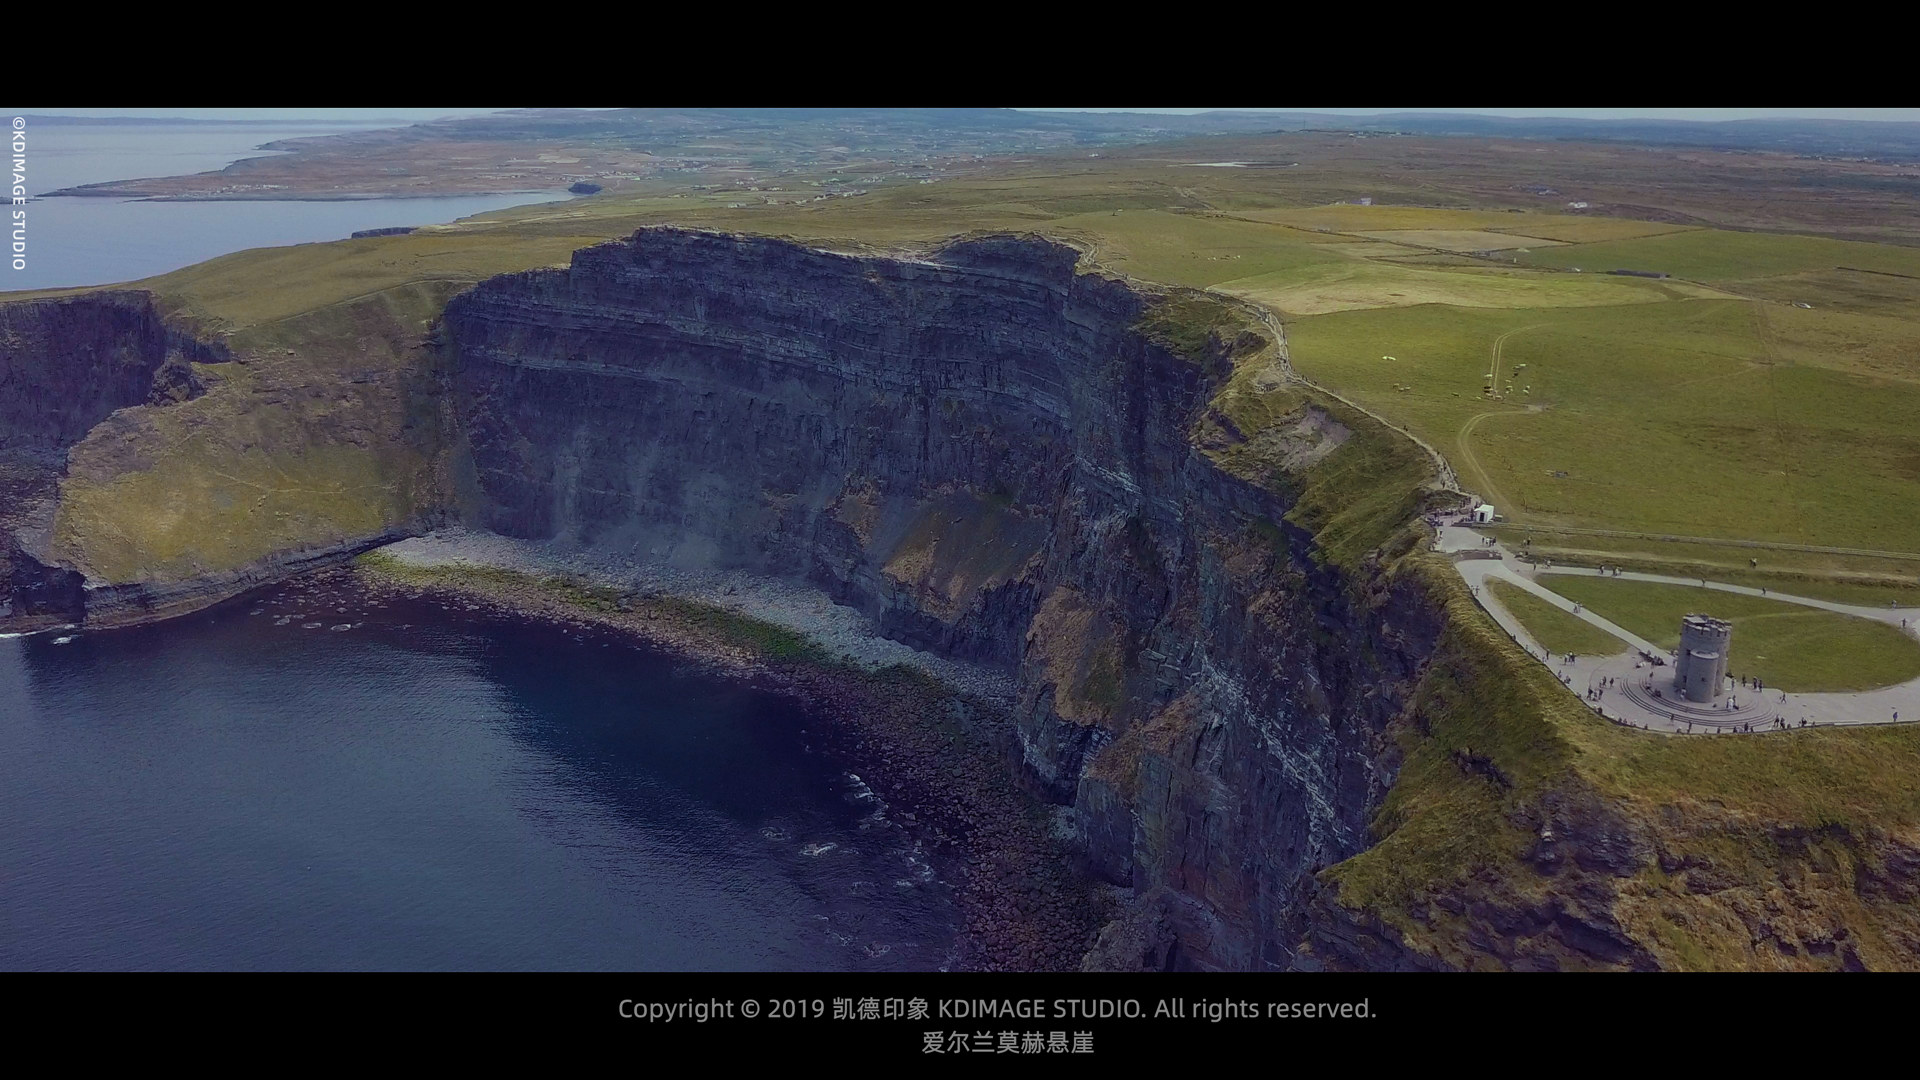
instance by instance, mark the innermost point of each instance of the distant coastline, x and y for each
(89, 192)
(45, 120)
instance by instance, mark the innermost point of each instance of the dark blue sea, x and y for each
(312, 778)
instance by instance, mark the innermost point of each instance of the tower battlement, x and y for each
(1700, 672)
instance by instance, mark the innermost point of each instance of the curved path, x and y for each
(1903, 617)
(1444, 476)
(1720, 541)
(1608, 678)
(1603, 681)
(1463, 438)
(1470, 461)
(1477, 571)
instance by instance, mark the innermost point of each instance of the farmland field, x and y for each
(1853, 292)
(1662, 417)
(1715, 255)
(1342, 286)
(1354, 219)
(1459, 239)
(1656, 405)
(1573, 230)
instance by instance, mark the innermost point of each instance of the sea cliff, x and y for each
(992, 454)
(1273, 724)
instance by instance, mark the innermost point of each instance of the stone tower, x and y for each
(1700, 674)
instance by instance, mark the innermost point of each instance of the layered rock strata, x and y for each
(66, 365)
(991, 453)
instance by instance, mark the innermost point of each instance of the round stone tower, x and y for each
(1700, 674)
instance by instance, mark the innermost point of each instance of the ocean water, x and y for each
(308, 780)
(97, 241)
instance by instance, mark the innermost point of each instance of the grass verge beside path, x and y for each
(1557, 631)
(1795, 648)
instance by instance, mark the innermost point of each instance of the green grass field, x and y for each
(1795, 648)
(1848, 579)
(1555, 630)
(1364, 283)
(1716, 255)
(1192, 250)
(1852, 292)
(1653, 405)
(1658, 417)
(1586, 230)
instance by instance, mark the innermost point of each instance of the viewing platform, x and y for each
(1736, 710)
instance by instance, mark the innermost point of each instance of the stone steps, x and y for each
(1757, 711)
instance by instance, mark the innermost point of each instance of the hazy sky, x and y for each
(1592, 114)
(349, 116)
(415, 115)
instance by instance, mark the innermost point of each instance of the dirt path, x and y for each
(1470, 462)
(1499, 343)
(1448, 476)
(1475, 472)
(1463, 439)
(1445, 476)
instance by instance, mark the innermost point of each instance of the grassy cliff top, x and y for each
(1516, 806)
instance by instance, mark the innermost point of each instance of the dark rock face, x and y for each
(65, 366)
(982, 450)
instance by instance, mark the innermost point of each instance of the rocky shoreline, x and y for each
(934, 751)
(842, 632)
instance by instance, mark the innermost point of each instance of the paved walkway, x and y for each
(1622, 687)
(1895, 616)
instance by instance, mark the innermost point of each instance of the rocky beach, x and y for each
(927, 734)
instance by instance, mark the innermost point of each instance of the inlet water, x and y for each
(311, 780)
(98, 240)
